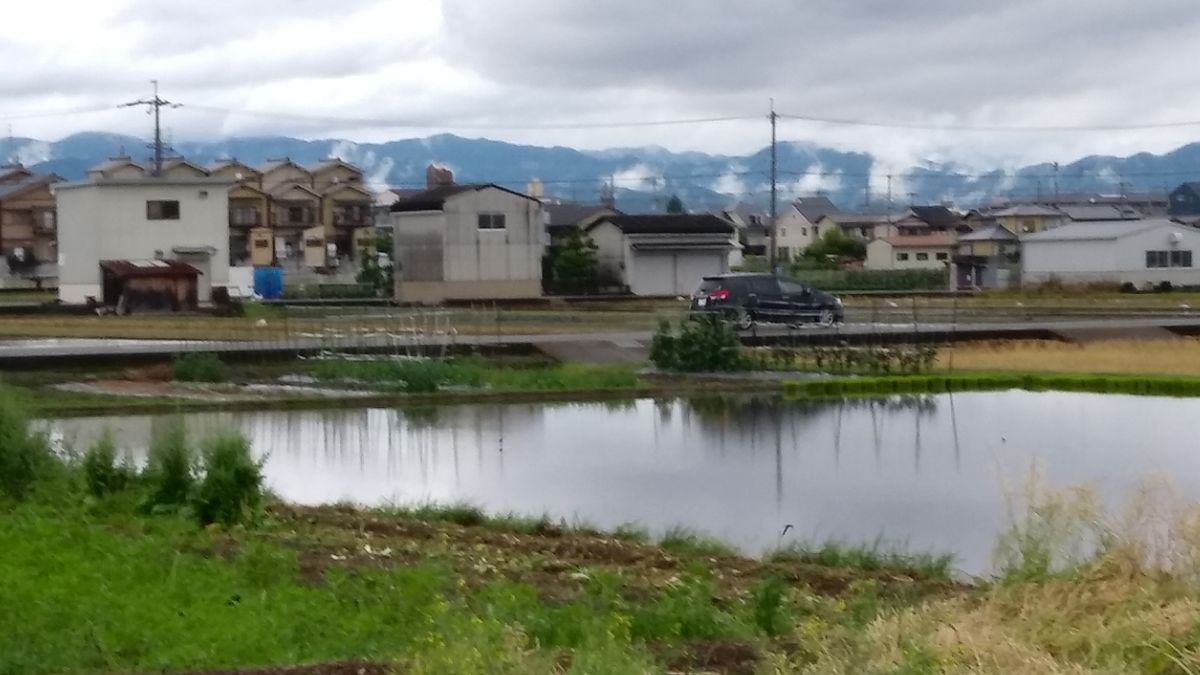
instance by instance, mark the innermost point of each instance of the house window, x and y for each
(204, 194)
(157, 209)
(922, 256)
(243, 215)
(314, 243)
(816, 232)
(901, 257)
(296, 214)
(783, 231)
(804, 231)
(943, 256)
(491, 221)
(262, 243)
(1168, 258)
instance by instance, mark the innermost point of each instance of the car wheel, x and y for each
(826, 318)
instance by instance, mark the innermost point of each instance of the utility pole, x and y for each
(1056, 184)
(774, 187)
(155, 104)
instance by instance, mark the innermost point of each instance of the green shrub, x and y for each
(230, 491)
(170, 470)
(198, 367)
(101, 471)
(705, 343)
(25, 456)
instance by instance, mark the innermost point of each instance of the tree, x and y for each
(575, 262)
(675, 204)
(377, 270)
(835, 243)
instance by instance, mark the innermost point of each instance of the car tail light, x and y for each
(719, 294)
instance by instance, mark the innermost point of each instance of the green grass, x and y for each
(427, 376)
(685, 541)
(1147, 385)
(873, 557)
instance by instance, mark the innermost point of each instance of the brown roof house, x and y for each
(28, 227)
(911, 252)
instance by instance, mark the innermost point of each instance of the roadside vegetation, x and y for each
(185, 564)
(1178, 356)
(419, 375)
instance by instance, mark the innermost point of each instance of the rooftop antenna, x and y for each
(155, 105)
(12, 145)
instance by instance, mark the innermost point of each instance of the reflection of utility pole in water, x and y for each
(778, 418)
(917, 444)
(954, 430)
(837, 436)
(875, 433)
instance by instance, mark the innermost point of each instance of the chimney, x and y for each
(608, 195)
(535, 188)
(437, 176)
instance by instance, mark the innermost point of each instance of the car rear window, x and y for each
(710, 284)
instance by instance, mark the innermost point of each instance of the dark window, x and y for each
(296, 214)
(901, 257)
(943, 256)
(792, 288)
(314, 243)
(922, 256)
(491, 221)
(158, 209)
(764, 286)
(1181, 258)
(262, 243)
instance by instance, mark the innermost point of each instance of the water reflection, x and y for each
(924, 469)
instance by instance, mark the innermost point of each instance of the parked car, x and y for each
(767, 298)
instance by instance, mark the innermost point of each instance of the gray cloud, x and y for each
(1020, 62)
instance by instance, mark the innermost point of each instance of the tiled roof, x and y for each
(674, 223)
(936, 216)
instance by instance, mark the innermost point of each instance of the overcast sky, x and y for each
(465, 65)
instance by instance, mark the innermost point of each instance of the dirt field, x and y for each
(1179, 356)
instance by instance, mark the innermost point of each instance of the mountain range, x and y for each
(646, 177)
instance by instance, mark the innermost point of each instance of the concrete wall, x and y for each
(108, 222)
(612, 254)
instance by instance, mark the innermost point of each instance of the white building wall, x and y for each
(794, 232)
(882, 255)
(511, 254)
(1115, 260)
(100, 221)
(612, 251)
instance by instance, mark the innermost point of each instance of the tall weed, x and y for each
(170, 467)
(230, 491)
(102, 473)
(25, 455)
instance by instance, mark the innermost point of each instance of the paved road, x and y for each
(49, 351)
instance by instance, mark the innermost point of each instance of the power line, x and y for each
(424, 124)
(990, 128)
(57, 113)
(156, 104)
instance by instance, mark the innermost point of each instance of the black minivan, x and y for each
(746, 298)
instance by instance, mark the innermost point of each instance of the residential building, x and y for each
(468, 242)
(250, 238)
(864, 227)
(1023, 219)
(911, 252)
(662, 254)
(563, 217)
(750, 227)
(925, 220)
(119, 213)
(1149, 204)
(1141, 252)
(796, 226)
(988, 257)
(28, 227)
(1092, 213)
(1185, 200)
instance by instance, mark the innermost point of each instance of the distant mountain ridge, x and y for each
(646, 177)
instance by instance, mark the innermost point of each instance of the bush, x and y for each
(705, 343)
(198, 367)
(101, 472)
(1129, 287)
(231, 490)
(25, 456)
(1163, 287)
(170, 471)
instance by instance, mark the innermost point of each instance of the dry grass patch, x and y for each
(1180, 356)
